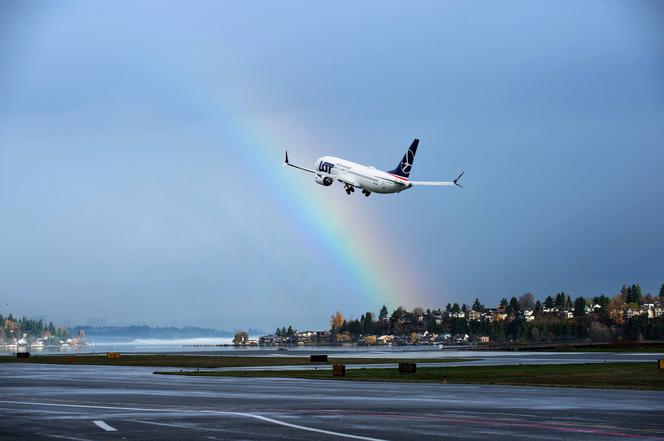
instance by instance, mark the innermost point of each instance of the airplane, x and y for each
(327, 169)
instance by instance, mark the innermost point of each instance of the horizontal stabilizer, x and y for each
(432, 183)
(454, 183)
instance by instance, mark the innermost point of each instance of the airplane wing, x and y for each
(296, 166)
(439, 183)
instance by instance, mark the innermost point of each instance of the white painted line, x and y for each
(180, 426)
(35, 410)
(214, 412)
(310, 429)
(84, 406)
(50, 435)
(270, 420)
(105, 426)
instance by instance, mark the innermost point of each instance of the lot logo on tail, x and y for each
(407, 162)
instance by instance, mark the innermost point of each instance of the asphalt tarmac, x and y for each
(130, 403)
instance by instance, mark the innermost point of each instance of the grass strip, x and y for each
(644, 376)
(205, 361)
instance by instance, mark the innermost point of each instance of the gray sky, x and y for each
(141, 143)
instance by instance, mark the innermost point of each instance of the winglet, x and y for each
(457, 179)
(286, 161)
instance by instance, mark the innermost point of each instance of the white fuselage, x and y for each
(358, 175)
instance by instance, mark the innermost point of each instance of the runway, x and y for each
(108, 403)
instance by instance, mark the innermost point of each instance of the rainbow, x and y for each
(357, 248)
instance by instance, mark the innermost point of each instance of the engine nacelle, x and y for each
(326, 181)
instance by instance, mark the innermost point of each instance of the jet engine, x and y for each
(326, 181)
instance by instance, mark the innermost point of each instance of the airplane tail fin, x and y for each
(406, 164)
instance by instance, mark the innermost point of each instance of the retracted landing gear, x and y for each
(366, 193)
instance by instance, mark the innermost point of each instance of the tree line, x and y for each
(558, 317)
(12, 327)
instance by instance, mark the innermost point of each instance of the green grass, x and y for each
(655, 348)
(575, 347)
(606, 376)
(202, 361)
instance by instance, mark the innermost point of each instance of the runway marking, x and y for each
(64, 437)
(505, 422)
(560, 426)
(310, 429)
(105, 426)
(34, 410)
(216, 412)
(208, 429)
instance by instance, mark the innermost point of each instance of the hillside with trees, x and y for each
(629, 315)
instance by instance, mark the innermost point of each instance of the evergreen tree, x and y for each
(448, 308)
(477, 306)
(499, 332)
(458, 326)
(503, 303)
(579, 307)
(601, 300)
(455, 308)
(538, 312)
(661, 291)
(398, 314)
(628, 295)
(354, 328)
(637, 297)
(514, 307)
(548, 302)
(560, 300)
(368, 324)
(382, 315)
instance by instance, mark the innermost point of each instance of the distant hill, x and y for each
(145, 332)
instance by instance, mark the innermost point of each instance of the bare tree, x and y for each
(527, 301)
(599, 332)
